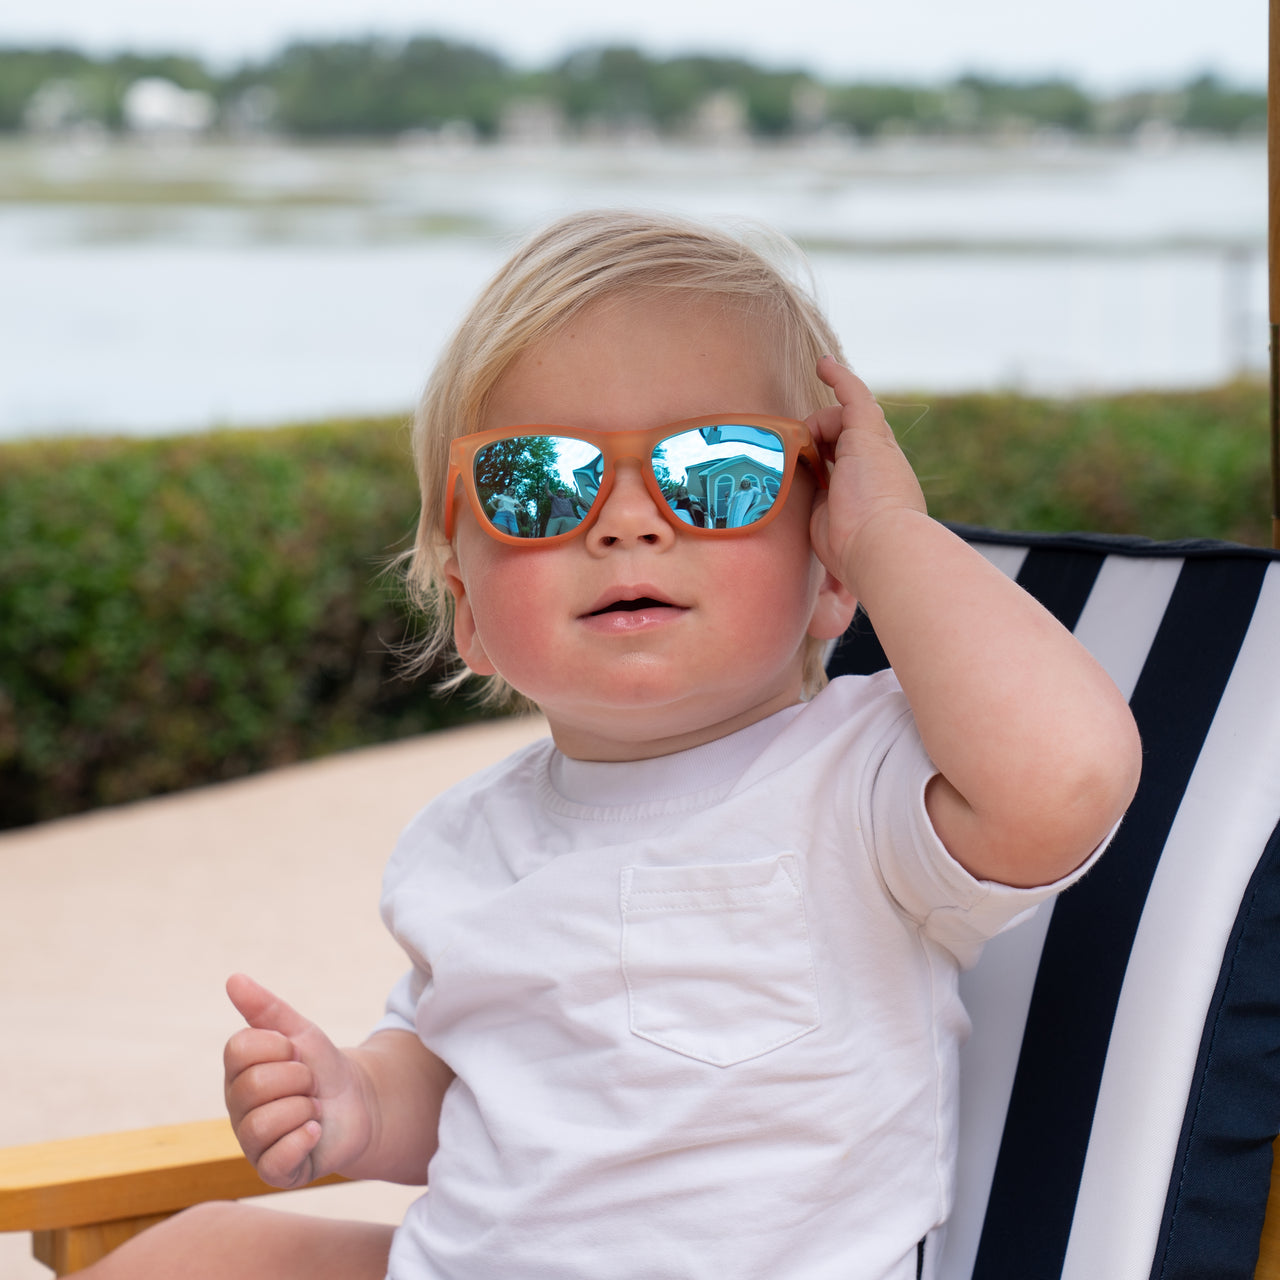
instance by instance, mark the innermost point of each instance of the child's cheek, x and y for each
(513, 595)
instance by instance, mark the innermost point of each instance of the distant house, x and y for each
(154, 105)
(532, 122)
(721, 119)
(56, 106)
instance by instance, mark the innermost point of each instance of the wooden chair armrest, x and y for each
(81, 1197)
(1268, 1267)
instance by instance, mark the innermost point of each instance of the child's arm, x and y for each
(1037, 751)
(303, 1108)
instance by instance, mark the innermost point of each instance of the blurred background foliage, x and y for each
(1158, 464)
(182, 610)
(377, 87)
(188, 609)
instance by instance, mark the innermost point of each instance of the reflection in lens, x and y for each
(537, 486)
(721, 477)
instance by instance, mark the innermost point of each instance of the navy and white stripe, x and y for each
(1127, 1134)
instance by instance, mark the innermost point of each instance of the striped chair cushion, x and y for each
(1121, 1087)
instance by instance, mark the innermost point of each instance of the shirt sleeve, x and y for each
(402, 1004)
(952, 907)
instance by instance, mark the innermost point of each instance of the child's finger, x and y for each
(249, 1046)
(266, 1082)
(288, 1162)
(857, 408)
(849, 388)
(265, 1126)
(825, 426)
(263, 1009)
(278, 1140)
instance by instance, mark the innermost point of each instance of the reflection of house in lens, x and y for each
(714, 483)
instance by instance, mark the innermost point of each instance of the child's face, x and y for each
(723, 645)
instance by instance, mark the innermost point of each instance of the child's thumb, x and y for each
(262, 1009)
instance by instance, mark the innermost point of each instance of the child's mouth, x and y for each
(631, 614)
(632, 606)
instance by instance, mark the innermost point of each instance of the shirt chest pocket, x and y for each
(716, 959)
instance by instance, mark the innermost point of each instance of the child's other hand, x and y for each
(296, 1101)
(870, 474)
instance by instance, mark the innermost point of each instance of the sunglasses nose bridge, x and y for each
(616, 452)
(641, 456)
(628, 487)
(627, 462)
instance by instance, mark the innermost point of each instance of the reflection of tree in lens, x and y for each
(661, 471)
(521, 468)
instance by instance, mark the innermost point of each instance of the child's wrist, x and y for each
(882, 532)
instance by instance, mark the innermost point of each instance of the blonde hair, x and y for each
(580, 260)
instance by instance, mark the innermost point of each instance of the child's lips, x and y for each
(632, 609)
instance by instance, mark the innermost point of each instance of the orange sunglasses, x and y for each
(716, 476)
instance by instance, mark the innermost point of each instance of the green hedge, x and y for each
(182, 610)
(1160, 464)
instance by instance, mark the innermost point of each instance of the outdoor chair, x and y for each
(1121, 1088)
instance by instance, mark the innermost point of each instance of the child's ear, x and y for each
(833, 610)
(465, 637)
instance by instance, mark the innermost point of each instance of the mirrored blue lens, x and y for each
(721, 477)
(537, 486)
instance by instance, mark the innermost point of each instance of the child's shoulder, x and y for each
(856, 705)
(459, 803)
(850, 724)
(860, 691)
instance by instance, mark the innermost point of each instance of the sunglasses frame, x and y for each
(618, 446)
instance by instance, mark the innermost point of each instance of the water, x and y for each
(148, 289)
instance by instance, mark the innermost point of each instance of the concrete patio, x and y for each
(118, 929)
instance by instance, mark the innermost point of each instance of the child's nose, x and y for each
(629, 515)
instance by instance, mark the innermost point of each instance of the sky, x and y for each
(1102, 44)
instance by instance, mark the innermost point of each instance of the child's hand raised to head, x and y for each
(297, 1102)
(870, 475)
(1036, 750)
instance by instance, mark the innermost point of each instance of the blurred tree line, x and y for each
(377, 87)
(97, 84)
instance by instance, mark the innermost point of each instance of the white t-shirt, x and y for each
(702, 1009)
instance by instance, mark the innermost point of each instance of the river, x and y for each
(148, 288)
